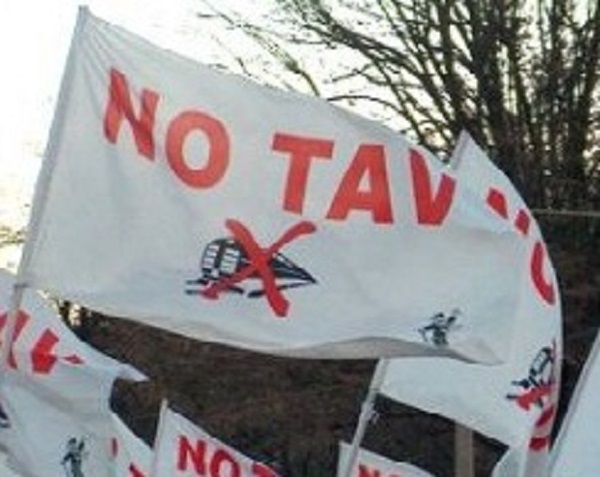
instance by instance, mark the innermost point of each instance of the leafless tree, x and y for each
(522, 76)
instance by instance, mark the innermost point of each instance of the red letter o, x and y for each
(218, 158)
(222, 459)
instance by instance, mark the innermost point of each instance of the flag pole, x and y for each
(366, 414)
(158, 435)
(39, 199)
(463, 451)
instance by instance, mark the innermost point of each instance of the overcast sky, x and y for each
(34, 41)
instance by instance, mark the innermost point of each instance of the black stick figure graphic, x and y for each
(72, 461)
(437, 331)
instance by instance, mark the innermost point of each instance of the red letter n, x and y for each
(195, 454)
(119, 107)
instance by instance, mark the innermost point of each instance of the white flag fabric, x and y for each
(46, 351)
(132, 456)
(204, 204)
(182, 449)
(521, 461)
(514, 402)
(576, 452)
(369, 464)
(5, 469)
(45, 440)
(54, 393)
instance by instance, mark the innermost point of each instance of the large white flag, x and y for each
(205, 204)
(182, 449)
(369, 464)
(576, 452)
(516, 401)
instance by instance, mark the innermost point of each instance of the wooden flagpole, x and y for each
(464, 451)
(463, 436)
(366, 414)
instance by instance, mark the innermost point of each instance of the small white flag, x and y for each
(182, 449)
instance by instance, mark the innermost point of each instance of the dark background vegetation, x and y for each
(522, 78)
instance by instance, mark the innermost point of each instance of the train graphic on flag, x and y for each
(223, 258)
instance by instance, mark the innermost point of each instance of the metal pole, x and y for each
(366, 413)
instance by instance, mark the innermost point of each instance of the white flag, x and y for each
(182, 449)
(204, 204)
(132, 456)
(516, 401)
(369, 464)
(5, 469)
(46, 351)
(576, 452)
(54, 393)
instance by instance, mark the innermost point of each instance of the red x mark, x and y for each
(526, 399)
(259, 262)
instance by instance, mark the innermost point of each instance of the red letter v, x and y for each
(432, 207)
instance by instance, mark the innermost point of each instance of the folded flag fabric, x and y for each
(516, 401)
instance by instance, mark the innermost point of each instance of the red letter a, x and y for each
(369, 163)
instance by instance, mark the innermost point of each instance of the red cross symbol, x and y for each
(259, 258)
